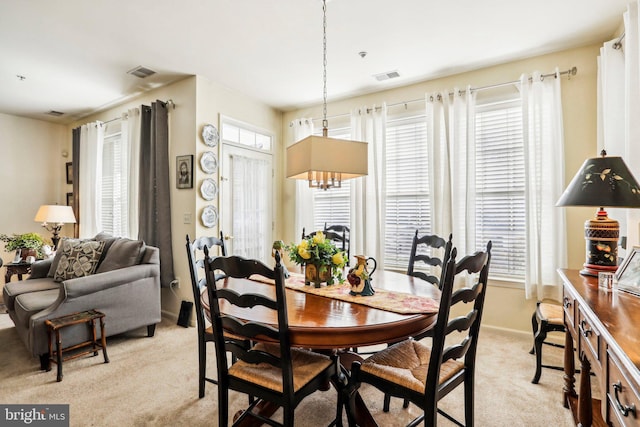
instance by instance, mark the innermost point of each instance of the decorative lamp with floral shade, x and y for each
(323, 262)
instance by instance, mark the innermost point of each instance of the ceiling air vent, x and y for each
(386, 76)
(55, 113)
(141, 72)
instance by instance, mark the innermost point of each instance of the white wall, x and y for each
(32, 173)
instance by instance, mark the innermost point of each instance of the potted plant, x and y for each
(323, 261)
(32, 242)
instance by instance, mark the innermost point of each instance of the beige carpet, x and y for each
(153, 382)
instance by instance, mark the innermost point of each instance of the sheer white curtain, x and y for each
(544, 163)
(451, 142)
(368, 194)
(249, 192)
(437, 110)
(131, 135)
(301, 128)
(462, 163)
(619, 109)
(90, 178)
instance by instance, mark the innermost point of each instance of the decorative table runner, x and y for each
(383, 299)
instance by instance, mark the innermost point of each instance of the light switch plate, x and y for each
(186, 218)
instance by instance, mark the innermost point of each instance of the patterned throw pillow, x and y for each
(78, 259)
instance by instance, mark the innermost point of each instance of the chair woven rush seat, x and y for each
(306, 366)
(406, 363)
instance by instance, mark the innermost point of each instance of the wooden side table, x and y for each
(18, 268)
(87, 317)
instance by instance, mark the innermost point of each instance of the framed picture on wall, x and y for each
(69, 172)
(69, 199)
(628, 274)
(184, 171)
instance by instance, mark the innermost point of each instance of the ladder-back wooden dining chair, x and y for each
(425, 374)
(345, 231)
(339, 239)
(274, 372)
(548, 317)
(195, 256)
(426, 242)
(422, 251)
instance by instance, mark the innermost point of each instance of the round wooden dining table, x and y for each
(321, 323)
(318, 322)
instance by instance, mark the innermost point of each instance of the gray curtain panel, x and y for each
(75, 159)
(155, 203)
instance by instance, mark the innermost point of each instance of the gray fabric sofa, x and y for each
(125, 286)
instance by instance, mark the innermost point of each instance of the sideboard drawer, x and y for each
(590, 342)
(569, 304)
(623, 400)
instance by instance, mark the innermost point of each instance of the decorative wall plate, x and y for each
(209, 216)
(210, 135)
(209, 162)
(208, 189)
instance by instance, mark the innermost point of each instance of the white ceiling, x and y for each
(75, 53)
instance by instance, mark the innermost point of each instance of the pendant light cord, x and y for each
(325, 123)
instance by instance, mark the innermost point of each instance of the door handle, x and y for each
(227, 237)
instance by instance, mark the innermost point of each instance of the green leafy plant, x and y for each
(23, 241)
(319, 251)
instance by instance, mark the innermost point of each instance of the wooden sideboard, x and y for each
(604, 328)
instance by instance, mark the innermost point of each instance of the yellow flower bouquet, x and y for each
(323, 261)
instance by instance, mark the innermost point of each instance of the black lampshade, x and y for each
(602, 181)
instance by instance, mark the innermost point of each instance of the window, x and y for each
(500, 186)
(408, 203)
(114, 182)
(243, 134)
(332, 206)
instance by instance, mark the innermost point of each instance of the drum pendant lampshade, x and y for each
(322, 161)
(602, 182)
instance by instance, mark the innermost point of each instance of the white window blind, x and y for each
(114, 185)
(500, 186)
(332, 207)
(408, 203)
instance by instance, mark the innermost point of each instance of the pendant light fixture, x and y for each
(325, 162)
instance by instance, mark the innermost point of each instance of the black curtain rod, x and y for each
(570, 72)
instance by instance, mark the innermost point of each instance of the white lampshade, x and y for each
(55, 214)
(315, 156)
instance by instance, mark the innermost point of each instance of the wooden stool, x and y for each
(87, 317)
(547, 318)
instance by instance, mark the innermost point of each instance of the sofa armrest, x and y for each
(80, 286)
(40, 269)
